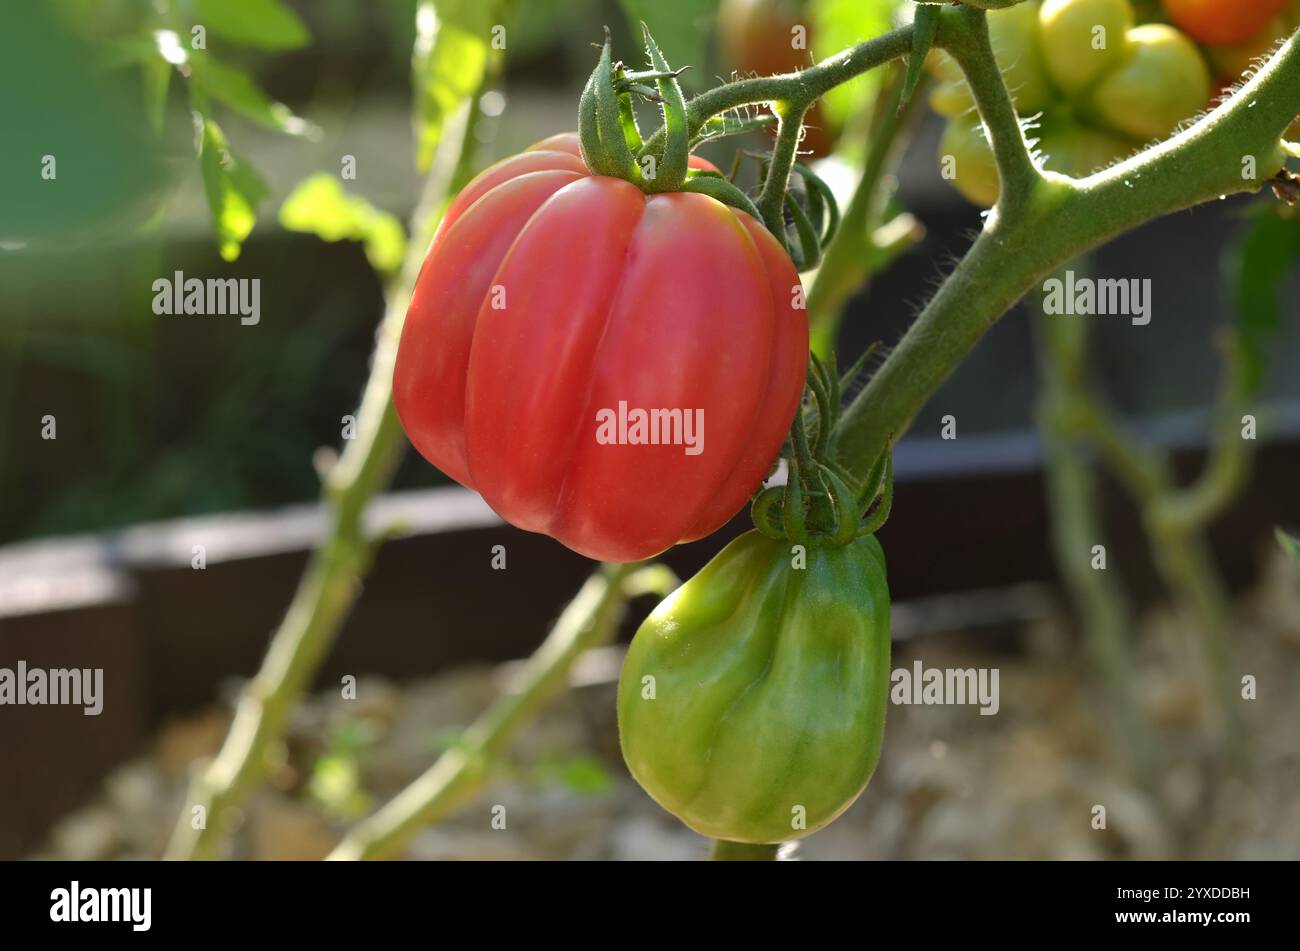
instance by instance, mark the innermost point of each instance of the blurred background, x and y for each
(170, 432)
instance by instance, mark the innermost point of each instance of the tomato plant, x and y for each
(607, 272)
(1223, 22)
(564, 322)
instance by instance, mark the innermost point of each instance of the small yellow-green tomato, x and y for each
(1082, 39)
(951, 99)
(1016, 43)
(752, 701)
(966, 160)
(1078, 150)
(1162, 81)
(1013, 33)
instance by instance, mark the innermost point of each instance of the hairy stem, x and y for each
(1061, 219)
(771, 201)
(331, 582)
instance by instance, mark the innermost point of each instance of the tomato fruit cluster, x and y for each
(1103, 86)
(752, 701)
(554, 306)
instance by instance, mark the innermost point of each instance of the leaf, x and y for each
(1258, 266)
(264, 24)
(320, 206)
(837, 25)
(232, 188)
(448, 63)
(238, 90)
(681, 28)
(585, 775)
(926, 25)
(1290, 544)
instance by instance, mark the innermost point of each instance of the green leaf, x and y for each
(927, 24)
(232, 188)
(837, 25)
(319, 206)
(1259, 266)
(681, 29)
(238, 90)
(585, 775)
(452, 49)
(264, 24)
(1290, 544)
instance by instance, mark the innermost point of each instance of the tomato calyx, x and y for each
(611, 142)
(612, 145)
(821, 503)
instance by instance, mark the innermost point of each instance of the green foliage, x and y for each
(78, 160)
(581, 774)
(264, 24)
(336, 779)
(681, 28)
(320, 206)
(237, 89)
(927, 23)
(837, 25)
(453, 47)
(232, 188)
(1258, 269)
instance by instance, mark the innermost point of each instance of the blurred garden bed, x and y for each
(951, 784)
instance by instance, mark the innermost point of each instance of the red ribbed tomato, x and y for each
(554, 303)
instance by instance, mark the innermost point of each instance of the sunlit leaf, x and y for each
(585, 775)
(320, 206)
(265, 24)
(838, 25)
(232, 188)
(238, 90)
(450, 58)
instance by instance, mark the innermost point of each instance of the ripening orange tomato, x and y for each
(1223, 22)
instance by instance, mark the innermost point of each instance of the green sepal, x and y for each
(715, 186)
(924, 26)
(672, 165)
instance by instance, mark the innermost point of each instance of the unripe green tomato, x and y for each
(752, 701)
(1082, 39)
(1162, 81)
(966, 159)
(1014, 35)
(1078, 150)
